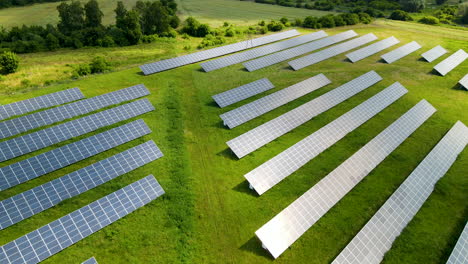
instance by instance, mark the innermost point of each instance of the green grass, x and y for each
(208, 214)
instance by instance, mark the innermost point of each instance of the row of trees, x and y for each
(10, 3)
(82, 26)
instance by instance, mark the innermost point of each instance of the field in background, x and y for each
(223, 213)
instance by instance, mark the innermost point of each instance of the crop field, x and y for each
(208, 214)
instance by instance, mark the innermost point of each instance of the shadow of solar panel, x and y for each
(286, 227)
(460, 251)
(43, 138)
(401, 52)
(21, 124)
(464, 82)
(372, 49)
(297, 51)
(377, 236)
(271, 130)
(90, 261)
(58, 158)
(168, 64)
(267, 103)
(41, 102)
(451, 62)
(325, 54)
(284, 164)
(258, 52)
(242, 92)
(52, 238)
(43, 197)
(434, 53)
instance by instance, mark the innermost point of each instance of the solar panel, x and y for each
(258, 52)
(325, 54)
(460, 252)
(297, 51)
(451, 62)
(377, 236)
(284, 164)
(47, 195)
(286, 227)
(21, 124)
(271, 130)
(50, 239)
(90, 261)
(267, 103)
(372, 49)
(37, 103)
(58, 158)
(401, 52)
(464, 82)
(43, 138)
(243, 92)
(434, 53)
(168, 64)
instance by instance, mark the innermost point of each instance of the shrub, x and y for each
(211, 40)
(327, 21)
(82, 69)
(9, 62)
(430, 20)
(52, 43)
(339, 21)
(98, 65)
(400, 15)
(298, 22)
(350, 19)
(365, 18)
(194, 28)
(275, 26)
(310, 22)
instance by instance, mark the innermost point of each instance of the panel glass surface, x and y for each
(372, 49)
(242, 92)
(460, 251)
(464, 82)
(401, 52)
(434, 53)
(451, 62)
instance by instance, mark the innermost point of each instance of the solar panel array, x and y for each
(451, 62)
(43, 138)
(40, 198)
(258, 52)
(377, 236)
(372, 49)
(90, 261)
(58, 158)
(464, 82)
(37, 103)
(271, 130)
(21, 124)
(434, 53)
(284, 164)
(460, 252)
(401, 52)
(66, 231)
(297, 51)
(325, 54)
(265, 104)
(168, 64)
(243, 92)
(286, 227)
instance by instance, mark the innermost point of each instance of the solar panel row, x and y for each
(451, 62)
(377, 236)
(43, 197)
(242, 92)
(464, 81)
(37, 103)
(265, 104)
(90, 261)
(372, 49)
(213, 53)
(400, 52)
(297, 51)
(286, 227)
(270, 173)
(50, 239)
(460, 252)
(271, 130)
(258, 52)
(325, 54)
(434, 53)
(58, 158)
(21, 124)
(43, 138)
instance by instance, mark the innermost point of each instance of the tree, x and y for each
(71, 17)
(412, 5)
(52, 42)
(154, 18)
(93, 14)
(120, 13)
(132, 28)
(9, 62)
(400, 15)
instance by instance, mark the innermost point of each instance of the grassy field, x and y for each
(208, 214)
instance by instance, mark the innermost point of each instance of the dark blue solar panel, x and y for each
(50, 239)
(38, 199)
(43, 138)
(90, 261)
(58, 158)
(21, 124)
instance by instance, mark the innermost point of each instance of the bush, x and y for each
(275, 26)
(230, 32)
(98, 65)
(82, 69)
(365, 18)
(430, 20)
(52, 42)
(211, 40)
(327, 21)
(310, 22)
(350, 19)
(400, 15)
(9, 62)
(194, 28)
(339, 21)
